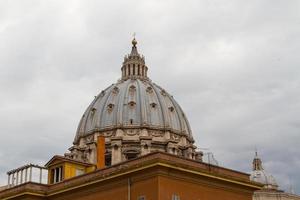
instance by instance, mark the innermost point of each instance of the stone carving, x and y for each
(110, 134)
(175, 137)
(89, 139)
(157, 133)
(132, 132)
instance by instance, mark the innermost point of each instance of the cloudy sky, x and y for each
(233, 66)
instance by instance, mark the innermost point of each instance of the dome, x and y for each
(134, 103)
(260, 175)
(136, 117)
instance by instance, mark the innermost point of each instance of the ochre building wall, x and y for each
(195, 191)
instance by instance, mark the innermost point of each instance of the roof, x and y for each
(65, 159)
(152, 161)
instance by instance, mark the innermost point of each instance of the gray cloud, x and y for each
(232, 66)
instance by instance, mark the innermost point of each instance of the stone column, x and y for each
(145, 145)
(126, 70)
(131, 69)
(17, 179)
(116, 150)
(13, 179)
(93, 155)
(26, 174)
(30, 174)
(8, 180)
(136, 70)
(21, 176)
(41, 175)
(172, 148)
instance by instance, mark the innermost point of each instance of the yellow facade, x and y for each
(72, 169)
(68, 169)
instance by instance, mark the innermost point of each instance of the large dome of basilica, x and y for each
(136, 117)
(134, 103)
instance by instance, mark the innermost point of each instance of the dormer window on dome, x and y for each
(115, 90)
(110, 107)
(132, 88)
(131, 104)
(171, 108)
(149, 90)
(153, 105)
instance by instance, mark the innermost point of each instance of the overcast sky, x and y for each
(233, 66)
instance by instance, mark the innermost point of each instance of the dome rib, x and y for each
(138, 92)
(160, 105)
(102, 109)
(144, 108)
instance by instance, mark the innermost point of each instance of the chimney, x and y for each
(100, 152)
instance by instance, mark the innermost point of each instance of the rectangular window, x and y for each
(175, 197)
(57, 174)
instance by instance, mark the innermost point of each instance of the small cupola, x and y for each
(256, 164)
(134, 64)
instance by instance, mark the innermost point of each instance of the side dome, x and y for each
(136, 117)
(258, 174)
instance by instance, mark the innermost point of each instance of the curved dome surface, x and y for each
(262, 177)
(134, 103)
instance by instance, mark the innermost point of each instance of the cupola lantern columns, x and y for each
(134, 64)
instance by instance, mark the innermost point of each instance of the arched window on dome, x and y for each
(153, 105)
(131, 104)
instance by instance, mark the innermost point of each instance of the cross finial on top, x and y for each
(134, 42)
(256, 155)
